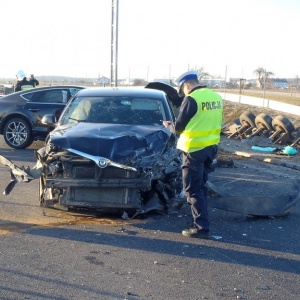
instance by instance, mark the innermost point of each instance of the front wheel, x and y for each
(17, 133)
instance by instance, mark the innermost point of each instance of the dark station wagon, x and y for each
(21, 113)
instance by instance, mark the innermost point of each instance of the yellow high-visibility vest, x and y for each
(204, 128)
(26, 87)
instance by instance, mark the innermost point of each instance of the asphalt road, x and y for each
(59, 255)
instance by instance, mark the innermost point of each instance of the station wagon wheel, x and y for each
(17, 133)
(263, 120)
(281, 123)
(248, 118)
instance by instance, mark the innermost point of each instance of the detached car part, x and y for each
(235, 190)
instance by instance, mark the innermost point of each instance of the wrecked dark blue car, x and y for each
(109, 151)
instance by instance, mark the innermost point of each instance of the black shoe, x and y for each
(194, 233)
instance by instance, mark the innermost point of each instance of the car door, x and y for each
(48, 101)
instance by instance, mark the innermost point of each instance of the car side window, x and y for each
(51, 96)
(28, 96)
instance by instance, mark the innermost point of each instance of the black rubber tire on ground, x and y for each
(17, 133)
(281, 123)
(248, 118)
(264, 120)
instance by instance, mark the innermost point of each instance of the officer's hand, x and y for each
(167, 123)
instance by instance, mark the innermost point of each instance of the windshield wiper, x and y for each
(76, 120)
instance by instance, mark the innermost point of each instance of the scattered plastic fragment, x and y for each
(289, 150)
(125, 216)
(263, 287)
(216, 237)
(121, 229)
(263, 149)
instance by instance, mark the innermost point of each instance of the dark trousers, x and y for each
(195, 169)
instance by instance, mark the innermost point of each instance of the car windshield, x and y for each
(115, 110)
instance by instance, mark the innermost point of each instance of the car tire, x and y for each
(248, 118)
(283, 124)
(263, 120)
(17, 133)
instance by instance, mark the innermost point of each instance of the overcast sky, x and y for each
(157, 38)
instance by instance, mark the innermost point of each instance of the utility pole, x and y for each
(114, 42)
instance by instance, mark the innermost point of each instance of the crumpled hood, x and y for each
(125, 144)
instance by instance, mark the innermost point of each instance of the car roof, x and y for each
(51, 87)
(44, 88)
(120, 91)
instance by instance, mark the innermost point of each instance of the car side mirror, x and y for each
(49, 120)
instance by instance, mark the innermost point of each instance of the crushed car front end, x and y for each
(122, 164)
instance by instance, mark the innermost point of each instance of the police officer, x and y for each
(22, 82)
(33, 80)
(199, 127)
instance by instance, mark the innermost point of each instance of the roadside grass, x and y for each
(285, 97)
(232, 111)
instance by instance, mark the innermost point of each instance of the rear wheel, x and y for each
(17, 133)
